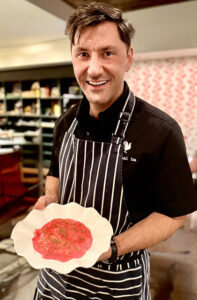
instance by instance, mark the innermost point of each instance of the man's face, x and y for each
(100, 59)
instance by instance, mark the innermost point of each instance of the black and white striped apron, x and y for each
(91, 175)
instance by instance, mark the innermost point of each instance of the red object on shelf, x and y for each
(11, 185)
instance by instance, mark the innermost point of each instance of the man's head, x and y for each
(94, 14)
(101, 53)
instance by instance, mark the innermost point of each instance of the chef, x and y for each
(118, 154)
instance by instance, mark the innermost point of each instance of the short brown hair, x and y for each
(95, 13)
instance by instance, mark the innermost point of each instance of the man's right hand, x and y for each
(43, 201)
(51, 193)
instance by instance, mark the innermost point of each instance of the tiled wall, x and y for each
(171, 85)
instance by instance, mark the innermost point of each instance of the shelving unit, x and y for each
(31, 100)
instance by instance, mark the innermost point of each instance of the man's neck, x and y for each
(95, 110)
(94, 113)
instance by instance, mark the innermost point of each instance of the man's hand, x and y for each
(51, 193)
(43, 201)
(105, 255)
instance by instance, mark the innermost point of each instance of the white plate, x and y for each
(100, 228)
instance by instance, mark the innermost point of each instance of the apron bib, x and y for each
(91, 175)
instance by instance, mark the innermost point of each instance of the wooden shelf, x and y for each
(53, 81)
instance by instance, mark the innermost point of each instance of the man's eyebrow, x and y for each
(110, 47)
(77, 49)
(107, 48)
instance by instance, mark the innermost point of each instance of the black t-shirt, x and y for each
(156, 173)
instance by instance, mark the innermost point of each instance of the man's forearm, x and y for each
(52, 187)
(148, 232)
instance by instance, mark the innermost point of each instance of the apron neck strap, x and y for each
(124, 119)
(73, 126)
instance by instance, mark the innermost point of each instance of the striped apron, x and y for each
(91, 175)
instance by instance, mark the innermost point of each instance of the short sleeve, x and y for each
(61, 126)
(54, 164)
(174, 192)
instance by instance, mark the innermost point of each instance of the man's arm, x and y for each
(193, 164)
(51, 193)
(150, 231)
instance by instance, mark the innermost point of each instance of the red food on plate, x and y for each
(62, 239)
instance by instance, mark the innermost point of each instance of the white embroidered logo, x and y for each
(127, 146)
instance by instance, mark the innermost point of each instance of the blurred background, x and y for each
(37, 84)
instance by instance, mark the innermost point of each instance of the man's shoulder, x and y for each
(151, 126)
(153, 115)
(66, 118)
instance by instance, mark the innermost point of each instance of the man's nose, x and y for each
(95, 66)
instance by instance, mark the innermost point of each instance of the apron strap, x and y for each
(124, 119)
(73, 126)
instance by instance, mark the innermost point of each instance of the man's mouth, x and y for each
(97, 83)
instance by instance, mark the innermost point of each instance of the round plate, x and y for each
(100, 228)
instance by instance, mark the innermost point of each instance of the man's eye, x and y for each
(108, 53)
(83, 54)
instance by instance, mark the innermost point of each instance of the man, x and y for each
(118, 154)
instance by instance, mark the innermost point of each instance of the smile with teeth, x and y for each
(97, 83)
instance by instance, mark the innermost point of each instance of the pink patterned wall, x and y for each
(171, 85)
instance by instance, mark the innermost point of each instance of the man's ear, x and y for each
(129, 59)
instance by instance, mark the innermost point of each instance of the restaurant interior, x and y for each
(37, 84)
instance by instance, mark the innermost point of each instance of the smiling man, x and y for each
(118, 154)
(100, 59)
